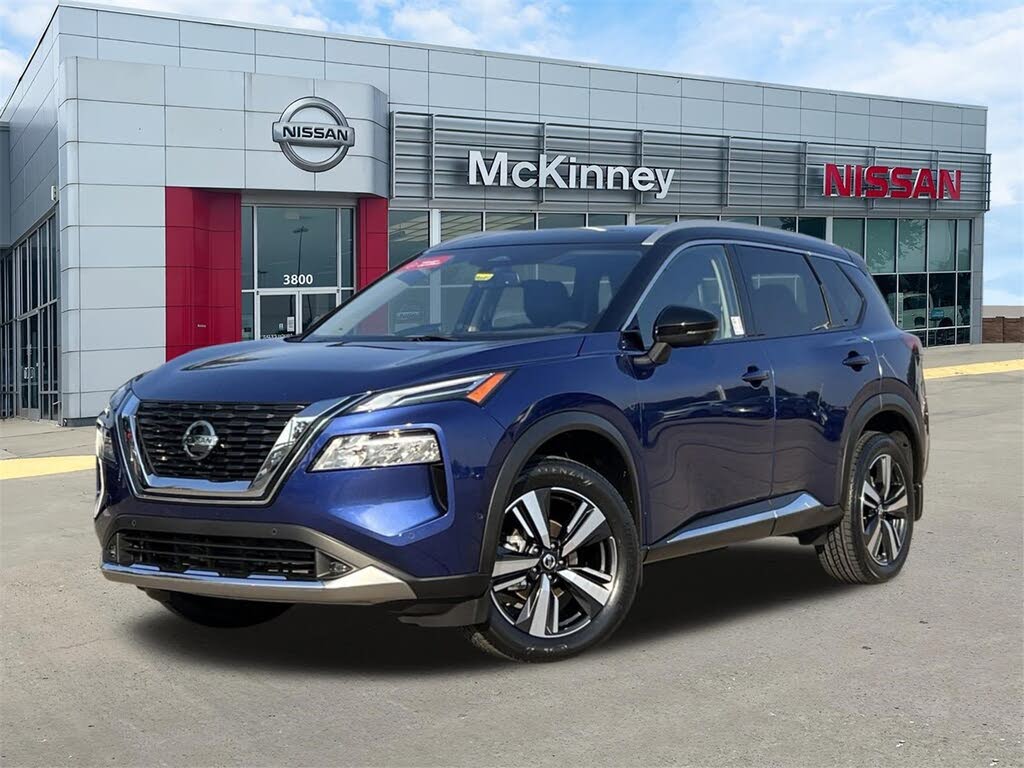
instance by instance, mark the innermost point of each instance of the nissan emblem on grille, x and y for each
(200, 439)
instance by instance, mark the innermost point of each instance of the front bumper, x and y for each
(368, 581)
(365, 582)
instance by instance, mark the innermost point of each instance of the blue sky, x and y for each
(965, 52)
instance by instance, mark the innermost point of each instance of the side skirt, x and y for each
(784, 515)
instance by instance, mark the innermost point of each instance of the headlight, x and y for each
(380, 449)
(473, 388)
(104, 443)
(105, 422)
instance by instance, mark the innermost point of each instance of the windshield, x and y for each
(506, 291)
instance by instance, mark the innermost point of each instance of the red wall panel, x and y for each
(371, 239)
(203, 268)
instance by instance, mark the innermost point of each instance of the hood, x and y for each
(278, 371)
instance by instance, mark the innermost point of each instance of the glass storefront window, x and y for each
(849, 233)
(247, 249)
(248, 317)
(408, 234)
(913, 302)
(963, 244)
(507, 221)
(741, 219)
(812, 225)
(942, 291)
(941, 237)
(910, 247)
(458, 223)
(298, 247)
(881, 245)
(655, 220)
(887, 285)
(606, 219)
(963, 298)
(787, 223)
(555, 220)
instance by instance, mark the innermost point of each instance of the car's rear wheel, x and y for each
(870, 544)
(567, 566)
(219, 612)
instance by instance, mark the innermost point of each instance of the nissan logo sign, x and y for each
(200, 440)
(317, 127)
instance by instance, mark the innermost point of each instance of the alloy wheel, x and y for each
(557, 563)
(884, 510)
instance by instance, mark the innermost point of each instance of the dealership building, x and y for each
(168, 183)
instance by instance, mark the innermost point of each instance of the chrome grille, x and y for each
(245, 431)
(228, 556)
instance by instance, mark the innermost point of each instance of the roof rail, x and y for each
(659, 233)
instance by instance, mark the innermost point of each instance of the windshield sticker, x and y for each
(482, 277)
(737, 325)
(425, 263)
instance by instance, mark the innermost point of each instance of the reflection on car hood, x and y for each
(277, 371)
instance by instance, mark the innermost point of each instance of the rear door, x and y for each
(707, 413)
(807, 312)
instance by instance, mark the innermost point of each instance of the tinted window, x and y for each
(697, 277)
(499, 291)
(844, 302)
(784, 294)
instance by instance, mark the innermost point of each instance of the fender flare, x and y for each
(882, 403)
(523, 450)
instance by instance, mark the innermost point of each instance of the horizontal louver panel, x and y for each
(229, 556)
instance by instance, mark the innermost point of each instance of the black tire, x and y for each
(845, 554)
(500, 637)
(219, 612)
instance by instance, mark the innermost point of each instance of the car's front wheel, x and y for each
(567, 566)
(219, 612)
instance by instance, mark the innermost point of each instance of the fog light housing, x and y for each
(379, 449)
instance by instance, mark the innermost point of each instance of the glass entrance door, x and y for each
(28, 363)
(288, 313)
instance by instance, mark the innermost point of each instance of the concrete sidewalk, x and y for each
(20, 438)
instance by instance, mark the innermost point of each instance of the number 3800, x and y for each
(306, 279)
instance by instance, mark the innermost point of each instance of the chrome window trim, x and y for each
(631, 317)
(310, 422)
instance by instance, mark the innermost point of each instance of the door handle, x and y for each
(856, 361)
(754, 376)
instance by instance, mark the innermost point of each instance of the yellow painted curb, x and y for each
(973, 369)
(12, 469)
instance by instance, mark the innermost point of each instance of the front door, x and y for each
(707, 414)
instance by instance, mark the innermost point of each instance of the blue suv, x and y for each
(502, 431)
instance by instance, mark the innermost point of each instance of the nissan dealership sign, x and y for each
(563, 172)
(896, 182)
(313, 134)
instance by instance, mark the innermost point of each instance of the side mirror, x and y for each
(685, 327)
(679, 327)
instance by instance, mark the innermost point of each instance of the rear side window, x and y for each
(844, 302)
(784, 293)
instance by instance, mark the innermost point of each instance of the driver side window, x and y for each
(697, 277)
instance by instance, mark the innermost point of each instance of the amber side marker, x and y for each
(482, 390)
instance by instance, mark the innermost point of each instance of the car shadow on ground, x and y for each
(678, 597)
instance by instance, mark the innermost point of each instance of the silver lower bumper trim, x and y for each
(364, 586)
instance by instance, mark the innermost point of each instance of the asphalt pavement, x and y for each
(740, 657)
